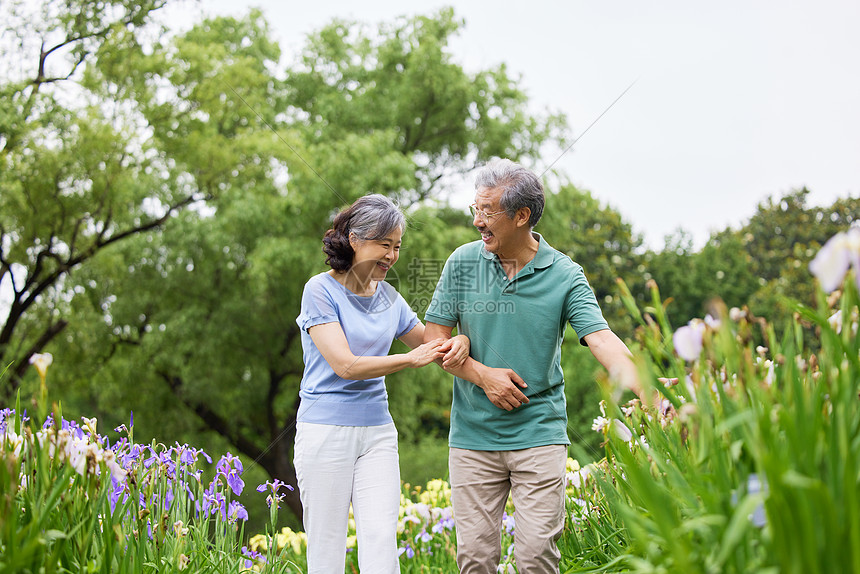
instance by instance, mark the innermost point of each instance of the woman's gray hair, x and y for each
(521, 187)
(375, 216)
(371, 217)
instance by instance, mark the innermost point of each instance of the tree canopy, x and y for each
(762, 265)
(165, 219)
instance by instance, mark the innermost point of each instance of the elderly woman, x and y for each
(346, 442)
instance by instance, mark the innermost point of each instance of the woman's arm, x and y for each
(332, 344)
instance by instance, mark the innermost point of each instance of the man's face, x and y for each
(497, 229)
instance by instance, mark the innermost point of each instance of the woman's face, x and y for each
(375, 257)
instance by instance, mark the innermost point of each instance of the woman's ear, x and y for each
(353, 240)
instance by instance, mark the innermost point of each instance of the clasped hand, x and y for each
(453, 352)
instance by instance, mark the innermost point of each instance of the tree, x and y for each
(598, 238)
(75, 179)
(193, 324)
(690, 281)
(781, 239)
(401, 81)
(671, 269)
(763, 264)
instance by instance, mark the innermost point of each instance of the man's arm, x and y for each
(616, 358)
(500, 385)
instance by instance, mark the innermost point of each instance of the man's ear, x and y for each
(522, 217)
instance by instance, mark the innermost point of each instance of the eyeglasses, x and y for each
(483, 214)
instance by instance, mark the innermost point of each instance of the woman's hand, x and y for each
(456, 351)
(426, 353)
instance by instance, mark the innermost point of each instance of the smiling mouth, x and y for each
(383, 265)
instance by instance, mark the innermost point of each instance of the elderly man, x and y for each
(513, 295)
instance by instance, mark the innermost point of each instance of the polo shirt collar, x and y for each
(543, 258)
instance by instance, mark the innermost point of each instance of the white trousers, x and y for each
(336, 465)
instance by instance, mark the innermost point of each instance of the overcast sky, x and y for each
(733, 101)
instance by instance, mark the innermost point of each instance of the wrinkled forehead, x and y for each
(488, 197)
(395, 235)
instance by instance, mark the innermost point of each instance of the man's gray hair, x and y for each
(521, 187)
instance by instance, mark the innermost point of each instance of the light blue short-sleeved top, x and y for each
(518, 324)
(370, 324)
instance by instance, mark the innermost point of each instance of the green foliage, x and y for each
(401, 83)
(187, 316)
(71, 504)
(582, 389)
(695, 281)
(781, 239)
(163, 197)
(74, 178)
(762, 265)
(755, 466)
(596, 237)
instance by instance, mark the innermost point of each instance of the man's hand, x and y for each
(500, 386)
(456, 351)
(614, 355)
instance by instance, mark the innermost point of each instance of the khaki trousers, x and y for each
(480, 483)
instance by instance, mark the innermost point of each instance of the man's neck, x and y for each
(514, 259)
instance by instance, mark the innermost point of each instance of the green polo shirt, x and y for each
(517, 324)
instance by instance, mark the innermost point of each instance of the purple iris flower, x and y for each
(275, 486)
(252, 555)
(187, 455)
(227, 462)
(213, 502)
(118, 489)
(74, 430)
(237, 512)
(235, 482)
(443, 524)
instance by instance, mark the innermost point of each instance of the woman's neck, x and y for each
(358, 283)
